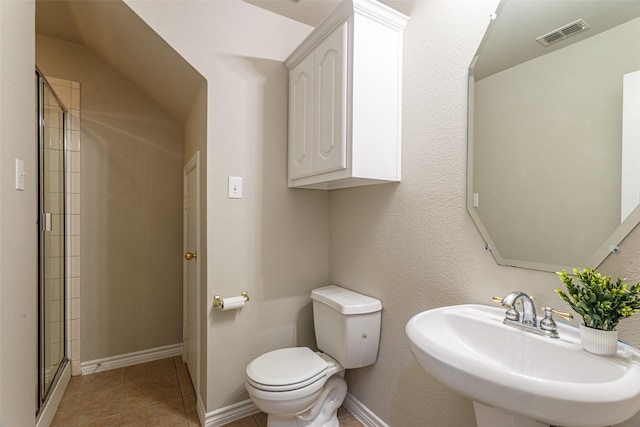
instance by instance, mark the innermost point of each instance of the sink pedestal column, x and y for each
(487, 416)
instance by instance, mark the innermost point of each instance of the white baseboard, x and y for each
(362, 413)
(239, 410)
(124, 360)
(226, 415)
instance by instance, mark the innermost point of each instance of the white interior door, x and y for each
(191, 269)
(630, 144)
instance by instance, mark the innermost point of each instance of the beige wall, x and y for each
(131, 233)
(413, 245)
(18, 215)
(410, 244)
(273, 243)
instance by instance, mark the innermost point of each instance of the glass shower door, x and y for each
(52, 331)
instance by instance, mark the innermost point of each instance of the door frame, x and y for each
(192, 164)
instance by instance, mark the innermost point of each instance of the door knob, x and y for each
(190, 255)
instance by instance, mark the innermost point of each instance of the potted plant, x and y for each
(602, 303)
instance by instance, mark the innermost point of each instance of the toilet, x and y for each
(299, 387)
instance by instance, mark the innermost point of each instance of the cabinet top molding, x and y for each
(371, 9)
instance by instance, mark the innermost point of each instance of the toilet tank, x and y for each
(347, 325)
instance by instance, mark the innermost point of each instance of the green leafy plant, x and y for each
(601, 302)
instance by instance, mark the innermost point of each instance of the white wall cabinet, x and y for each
(345, 87)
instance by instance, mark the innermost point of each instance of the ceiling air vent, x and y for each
(563, 32)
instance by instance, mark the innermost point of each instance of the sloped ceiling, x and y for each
(114, 32)
(312, 12)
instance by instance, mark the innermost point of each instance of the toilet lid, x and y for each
(286, 369)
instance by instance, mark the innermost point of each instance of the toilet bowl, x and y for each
(296, 386)
(299, 387)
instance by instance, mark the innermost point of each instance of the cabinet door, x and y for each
(330, 73)
(301, 119)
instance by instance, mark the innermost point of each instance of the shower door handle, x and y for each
(46, 221)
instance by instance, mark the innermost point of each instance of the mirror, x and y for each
(554, 132)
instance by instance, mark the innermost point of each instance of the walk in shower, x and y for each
(52, 352)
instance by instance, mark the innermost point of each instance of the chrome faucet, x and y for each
(528, 321)
(529, 317)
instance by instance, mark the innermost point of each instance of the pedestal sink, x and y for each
(517, 378)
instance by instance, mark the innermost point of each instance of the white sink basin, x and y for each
(470, 350)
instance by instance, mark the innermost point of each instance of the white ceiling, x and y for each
(511, 38)
(312, 12)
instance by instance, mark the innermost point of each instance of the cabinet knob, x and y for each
(190, 255)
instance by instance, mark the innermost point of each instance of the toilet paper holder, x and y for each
(217, 299)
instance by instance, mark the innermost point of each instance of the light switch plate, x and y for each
(20, 173)
(235, 187)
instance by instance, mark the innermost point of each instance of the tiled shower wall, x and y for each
(69, 93)
(52, 237)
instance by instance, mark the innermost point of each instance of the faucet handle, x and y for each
(548, 324)
(565, 316)
(500, 299)
(512, 313)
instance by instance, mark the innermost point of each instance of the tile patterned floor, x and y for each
(154, 394)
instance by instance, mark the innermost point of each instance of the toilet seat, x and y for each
(286, 369)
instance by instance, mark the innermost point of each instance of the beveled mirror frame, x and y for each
(607, 247)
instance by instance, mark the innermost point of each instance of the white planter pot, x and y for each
(597, 341)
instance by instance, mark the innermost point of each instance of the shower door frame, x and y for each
(45, 389)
